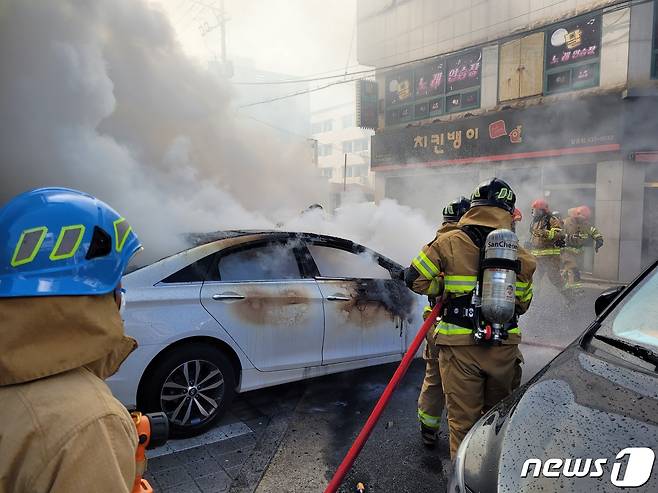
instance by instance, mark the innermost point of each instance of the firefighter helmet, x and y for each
(540, 204)
(453, 212)
(61, 242)
(583, 212)
(494, 192)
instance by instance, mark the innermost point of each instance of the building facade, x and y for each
(557, 97)
(343, 148)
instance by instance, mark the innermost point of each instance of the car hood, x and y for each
(580, 406)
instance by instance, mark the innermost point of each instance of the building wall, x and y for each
(395, 31)
(641, 33)
(398, 31)
(615, 59)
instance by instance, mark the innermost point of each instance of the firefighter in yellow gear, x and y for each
(430, 400)
(545, 241)
(578, 230)
(61, 261)
(475, 376)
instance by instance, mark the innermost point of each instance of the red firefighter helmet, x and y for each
(583, 212)
(516, 215)
(540, 204)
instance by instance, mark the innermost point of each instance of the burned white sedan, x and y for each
(244, 310)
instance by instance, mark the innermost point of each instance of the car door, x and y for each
(363, 306)
(257, 293)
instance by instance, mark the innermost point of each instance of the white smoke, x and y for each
(99, 96)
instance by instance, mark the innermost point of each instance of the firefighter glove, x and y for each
(598, 243)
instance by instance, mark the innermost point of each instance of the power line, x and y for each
(312, 79)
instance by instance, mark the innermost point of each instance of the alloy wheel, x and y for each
(192, 393)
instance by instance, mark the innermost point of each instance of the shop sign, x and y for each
(542, 131)
(366, 104)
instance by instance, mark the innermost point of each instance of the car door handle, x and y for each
(338, 298)
(227, 296)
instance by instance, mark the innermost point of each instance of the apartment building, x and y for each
(343, 149)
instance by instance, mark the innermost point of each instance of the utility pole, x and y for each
(221, 18)
(345, 174)
(222, 26)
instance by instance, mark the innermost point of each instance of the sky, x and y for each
(296, 37)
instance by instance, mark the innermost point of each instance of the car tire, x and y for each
(210, 379)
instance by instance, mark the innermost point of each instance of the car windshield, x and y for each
(635, 320)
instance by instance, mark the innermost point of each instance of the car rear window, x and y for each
(334, 262)
(260, 263)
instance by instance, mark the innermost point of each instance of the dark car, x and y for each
(588, 421)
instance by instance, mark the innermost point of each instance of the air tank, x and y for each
(499, 276)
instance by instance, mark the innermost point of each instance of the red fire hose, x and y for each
(360, 441)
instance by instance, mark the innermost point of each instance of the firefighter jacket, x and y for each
(451, 263)
(577, 233)
(545, 233)
(61, 430)
(435, 286)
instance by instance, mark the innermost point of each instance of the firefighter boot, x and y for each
(429, 436)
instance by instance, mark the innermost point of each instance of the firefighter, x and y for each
(430, 400)
(517, 217)
(546, 237)
(62, 255)
(577, 231)
(475, 376)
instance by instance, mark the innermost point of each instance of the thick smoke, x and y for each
(99, 96)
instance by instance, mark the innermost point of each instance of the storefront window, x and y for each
(573, 51)
(463, 81)
(521, 67)
(440, 86)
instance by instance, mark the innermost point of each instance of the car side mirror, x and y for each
(605, 298)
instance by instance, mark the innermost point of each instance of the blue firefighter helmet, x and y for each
(62, 242)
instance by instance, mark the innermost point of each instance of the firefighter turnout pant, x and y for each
(475, 378)
(549, 266)
(430, 400)
(570, 258)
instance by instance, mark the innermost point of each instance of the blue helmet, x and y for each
(59, 242)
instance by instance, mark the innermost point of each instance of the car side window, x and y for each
(195, 272)
(334, 262)
(271, 262)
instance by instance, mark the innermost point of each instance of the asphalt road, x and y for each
(292, 437)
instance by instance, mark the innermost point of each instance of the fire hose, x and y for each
(377, 411)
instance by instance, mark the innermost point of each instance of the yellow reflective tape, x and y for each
(461, 278)
(430, 264)
(448, 329)
(458, 289)
(121, 233)
(460, 283)
(543, 252)
(429, 420)
(434, 288)
(515, 330)
(25, 257)
(421, 268)
(73, 248)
